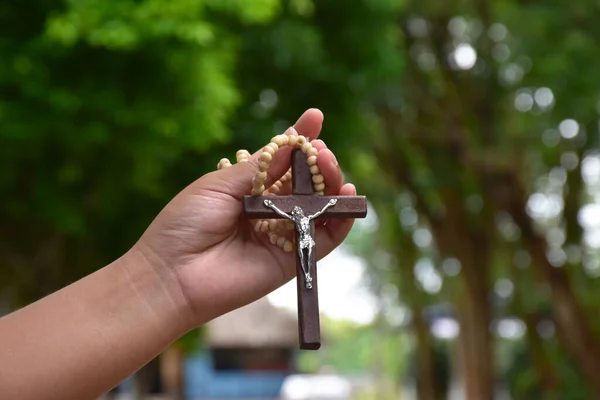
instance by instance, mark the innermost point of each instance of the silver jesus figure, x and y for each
(305, 243)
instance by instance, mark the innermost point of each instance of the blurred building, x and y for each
(248, 354)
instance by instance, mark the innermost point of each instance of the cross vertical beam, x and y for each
(309, 322)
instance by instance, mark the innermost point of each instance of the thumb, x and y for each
(237, 179)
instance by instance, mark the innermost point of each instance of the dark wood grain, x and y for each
(253, 207)
(301, 176)
(309, 323)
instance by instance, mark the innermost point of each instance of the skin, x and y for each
(196, 261)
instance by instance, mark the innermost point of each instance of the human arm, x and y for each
(196, 261)
(81, 341)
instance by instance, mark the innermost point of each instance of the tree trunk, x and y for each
(427, 386)
(570, 318)
(475, 345)
(471, 247)
(547, 378)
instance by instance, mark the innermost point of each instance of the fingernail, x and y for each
(335, 161)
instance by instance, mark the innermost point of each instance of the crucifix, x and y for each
(303, 207)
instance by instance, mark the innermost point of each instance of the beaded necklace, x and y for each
(276, 228)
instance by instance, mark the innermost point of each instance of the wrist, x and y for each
(159, 287)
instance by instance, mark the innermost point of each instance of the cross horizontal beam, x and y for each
(346, 207)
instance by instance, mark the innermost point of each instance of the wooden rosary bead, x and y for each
(319, 187)
(264, 227)
(318, 178)
(266, 157)
(284, 139)
(319, 193)
(273, 238)
(259, 189)
(281, 241)
(274, 189)
(306, 147)
(292, 140)
(274, 146)
(301, 140)
(257, 226)
(272, 224)
(242, 156)
(263, 166)
(289, 225)
(278, 140)
(270, 150)
(262, 176)
(312, 152)
(314, 169)
(312, 160)
(223, 163)
(288, 246)
(257, 183)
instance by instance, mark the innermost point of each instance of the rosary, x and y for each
(277, 214)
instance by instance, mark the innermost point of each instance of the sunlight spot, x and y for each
(523, 101)
(465, 56)
(510, 328)
(544, 97)
(511, 74)
(551, 137)
(569, 160)
(590, 169)
(418, 27)
(568, 128)
(451, 266)
(501, 52)
(497, 32)
(445, 328)
(457, 26)
(503, 288)
(422, 237)
(427, 276)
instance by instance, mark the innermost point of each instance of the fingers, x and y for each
(333, 234)
(330, 169)
(310, 123)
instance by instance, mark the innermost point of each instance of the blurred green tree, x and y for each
(108, 108)
(479, 116)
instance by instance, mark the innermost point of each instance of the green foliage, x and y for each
(523, 382)
(109, 108)
(352, 349)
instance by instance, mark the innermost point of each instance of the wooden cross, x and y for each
(254, 207)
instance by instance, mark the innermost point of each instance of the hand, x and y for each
(219, 261)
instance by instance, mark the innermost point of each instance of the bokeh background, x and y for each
(472, 127)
